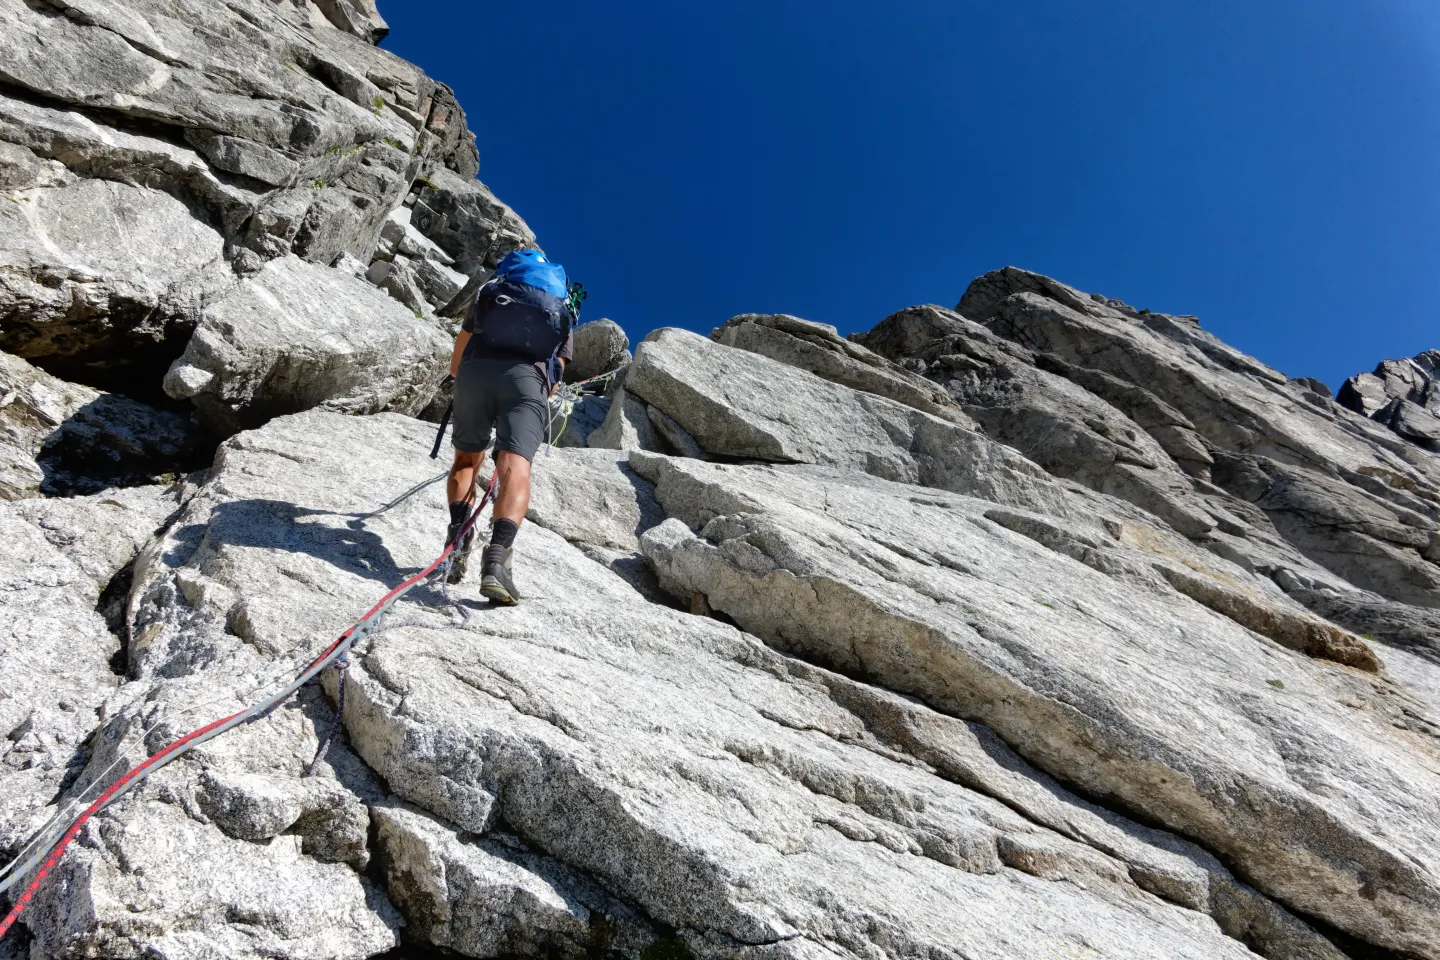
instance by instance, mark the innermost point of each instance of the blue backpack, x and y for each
(527, 309)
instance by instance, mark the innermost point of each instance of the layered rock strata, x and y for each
(1038, 627)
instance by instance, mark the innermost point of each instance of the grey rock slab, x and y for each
(945, 346)
(1061, 426)
(1128, 692)
(985, 297)
(63, 438)
(68, 145)
(57, 650)
(1364, 539)
(1418, 675)
(244, 157)
(1413, 422)
(102, 281)
(674, 436)
(587, 417)
(1243, 409)
(468, 222)
(712, 785)
(592, 497)
(297, 336)
(401, 282)
(1365, 394)
(153, 881)
(1414, 629)
(398, 235)
(600, 346)
(269, 96)
(626, 426)
(437, 282)
(1235, 402)
(739, 404)
(33, 405)
(819, 348)
(493, 898)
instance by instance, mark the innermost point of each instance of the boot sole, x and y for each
(494, 591)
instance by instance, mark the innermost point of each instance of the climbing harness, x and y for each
(566, 396)
(49, 854)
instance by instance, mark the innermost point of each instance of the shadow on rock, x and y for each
(339, 539)
(114, 441)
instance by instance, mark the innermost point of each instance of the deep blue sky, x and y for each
(1272, 166)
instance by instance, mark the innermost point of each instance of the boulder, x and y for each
(593, 499)
(161, 883)
(626, 426)
(437, 282)
(819, 348)
(738, 404)
(399, 279)
(399, 236)
(494, 898)
(297, 336)
(600, 346)
(103, 281)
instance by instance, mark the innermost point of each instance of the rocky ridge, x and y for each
(1038, 627)
(1404, 395)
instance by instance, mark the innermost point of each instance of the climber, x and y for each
(509, 357)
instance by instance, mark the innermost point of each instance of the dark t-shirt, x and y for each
(472, 349)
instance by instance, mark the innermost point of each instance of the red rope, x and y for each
(90, 811)
(104, 799)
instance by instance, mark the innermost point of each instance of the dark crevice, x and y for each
(113, 442)
(1351, 946)
(112, 606)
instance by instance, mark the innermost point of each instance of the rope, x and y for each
(370, 623)
(263, 679)
(568, 395)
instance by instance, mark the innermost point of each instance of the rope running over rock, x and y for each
(370, 623)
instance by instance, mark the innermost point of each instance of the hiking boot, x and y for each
(497, 583)
(460, 559)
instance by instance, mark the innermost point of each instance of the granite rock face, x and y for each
(591, 763)
(600, 346)
(1040, 627)
(1404, 395)
(598, 764)
(150, 167)
(1258, 468)
(61, 562)
(296, 336)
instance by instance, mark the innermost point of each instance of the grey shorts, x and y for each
(507, 395)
